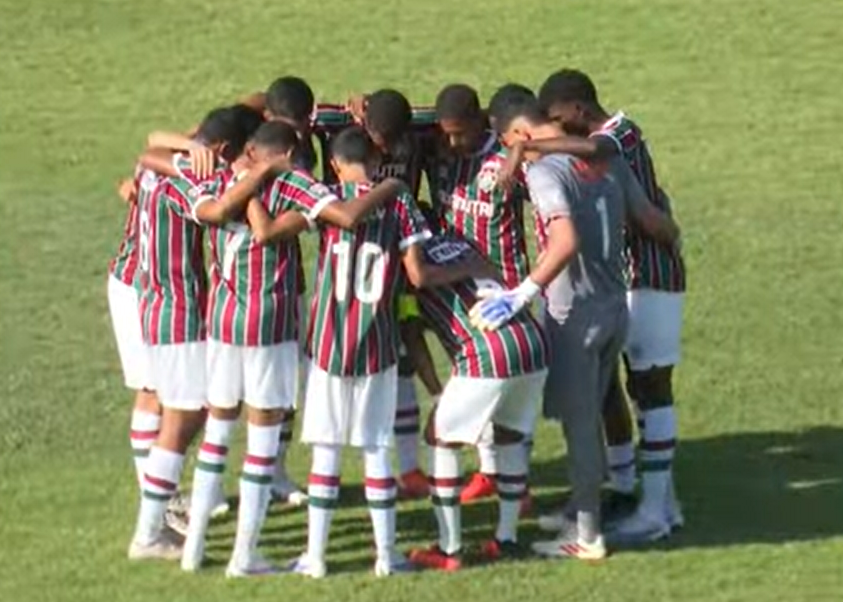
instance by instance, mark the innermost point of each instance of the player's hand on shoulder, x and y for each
(356, 105)
(202, 160)
(395, 185)
(512, 166)
(127, 190)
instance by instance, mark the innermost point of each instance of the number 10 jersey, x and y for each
(353, 328)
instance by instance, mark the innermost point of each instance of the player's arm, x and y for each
(267, 230)
(159, 160)
(256, 101)
(418, 351)
(127, 190)
(349, 214)
(643, 214)
(425, 275)
(596, 148)
(231, 205)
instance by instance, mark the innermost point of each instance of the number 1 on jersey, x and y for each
(369, 268)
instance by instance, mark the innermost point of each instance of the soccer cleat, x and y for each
(413, 485)
(556, 521)
(256, 566)
(395, 565)
(285, 490)
(177, 521)
(639, 528)
(481, 486)
(221, 506)
(571, 546)
(435, 558)
(167, 546)
(180, 503)
(309, 567)
(493, 550)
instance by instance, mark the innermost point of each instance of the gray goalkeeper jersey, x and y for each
(596, 199)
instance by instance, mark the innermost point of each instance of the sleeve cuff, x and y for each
(414, 239)
(318, 207)
(202, 199)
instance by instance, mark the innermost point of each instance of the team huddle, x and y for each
(206, 338)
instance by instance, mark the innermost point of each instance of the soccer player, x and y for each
(655, 304)
(172, 310)
(352, 343)
(505, 96)
(581, 209)
(475, 208)
(496, 379)
(123, 285)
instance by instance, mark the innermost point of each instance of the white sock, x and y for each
(512, 484)
(407, 426)
(323, 491)
(657, 449)
(142, 435)
(207, 477)
(285, 436)
(488, 460)
(621, 467)
(161, 480)
(445, 495)
(380, 495)
(258, 468)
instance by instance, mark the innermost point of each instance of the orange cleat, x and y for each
(481, 486)
(434, 558)
(413, 485)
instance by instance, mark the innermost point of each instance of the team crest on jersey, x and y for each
(488, 177)
(193, 193)
(318, 189)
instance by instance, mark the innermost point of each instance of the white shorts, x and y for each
(347, 410)
(263, 377)
(125, 318)
(655, 328)
(178, 374)
(468, 405)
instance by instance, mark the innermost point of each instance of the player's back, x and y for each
(596, 200)
(518, 347)
(353, 325)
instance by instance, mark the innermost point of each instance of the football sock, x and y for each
(161, 478)
(512, 484)
(285, 436)
(488, 459)
(380, 496)
(657, 449)
(142, 434)
(255, 481)
(621, 467)
(407, 426)
(207, 476)
(445, 482)
(588, 526)
(323, 491)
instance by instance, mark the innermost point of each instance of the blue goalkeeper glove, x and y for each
(496, 307)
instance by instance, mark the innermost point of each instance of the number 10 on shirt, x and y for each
(369, 266)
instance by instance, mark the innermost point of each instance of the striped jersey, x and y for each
(354, 324)
(516, 348)
(124, 265)
(651, 265)
(254, 287)
(473, 207)
(173, 281)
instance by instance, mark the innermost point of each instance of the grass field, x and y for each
(741, 103)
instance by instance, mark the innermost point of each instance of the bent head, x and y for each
(570, 99)
(461, 119)
(523, 121)
(273, 141)
(387, 118)
(353, 155)
(290, 99)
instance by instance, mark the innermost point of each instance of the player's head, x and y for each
(272, 141)
(387, 118)
(570, 99)
(222, 131)
(505, 96)
(460, 117)
(249, 119)
(353, 154)
(524, 120)
(290, 99)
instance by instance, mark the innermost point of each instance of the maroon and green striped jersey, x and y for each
(173, 281)
(516, 348)
(255, 287)
(354, 323)
(651, 265)
(474, 207)
(124, 265)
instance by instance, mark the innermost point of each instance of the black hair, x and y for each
(353, 145)
(567, 85)
(388, 113)
(459, 102)
(250, 119)
(528, 108)
(277, 136)
(290, 97)
(222, 126)
(508, 94)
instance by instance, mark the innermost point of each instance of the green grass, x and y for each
(740, 101)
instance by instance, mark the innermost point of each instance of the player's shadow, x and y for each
(769, 487)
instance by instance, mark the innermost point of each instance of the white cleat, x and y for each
(640, 528)
(309, 567)
(167, 546)
(221, 506)
(571, 546)
(396, 565)
(554, 522)
(256, 566)
(283, 489)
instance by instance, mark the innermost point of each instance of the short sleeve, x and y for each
(414, 227)
(188, 196)
(300, 192)
(547, 192)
